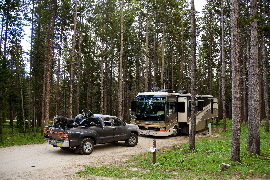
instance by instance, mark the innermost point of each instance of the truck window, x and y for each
(117, 122)
(107, 123)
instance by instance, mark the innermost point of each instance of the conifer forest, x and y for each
(98, 54)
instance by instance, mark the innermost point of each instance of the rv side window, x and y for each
(200, 105)
(181, 107)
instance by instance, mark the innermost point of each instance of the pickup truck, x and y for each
(83, 132)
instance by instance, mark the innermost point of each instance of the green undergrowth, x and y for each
(9, 138)
(205, 162)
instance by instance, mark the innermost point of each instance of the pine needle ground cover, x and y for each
(203, 163)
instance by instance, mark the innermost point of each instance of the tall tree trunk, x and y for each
(223, 69)
(48, 66)
(244, 85)
(120, 80)
(22, 105)
(254, 109)
(57, 108)
(210, 59)
(102, 80)
(265, 77)
(138, 67)
(147, 56)
(163, 55)
(266, 86)
(192, 131)
(79, 74)
(236, 85)
(72, 63)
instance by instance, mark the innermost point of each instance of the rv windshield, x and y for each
(151, 106)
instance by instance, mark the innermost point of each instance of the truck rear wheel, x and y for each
(132, 140)
(87, 146)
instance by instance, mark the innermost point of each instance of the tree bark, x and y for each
(163, 56)
(120, 80)
(266, 86)
(72, 63)
(192, 131)
(236, 85)
(146, 56)
(48, 66)
(254, 110)
(265, 78)
(223, 69)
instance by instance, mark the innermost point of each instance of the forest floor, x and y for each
(42, 161)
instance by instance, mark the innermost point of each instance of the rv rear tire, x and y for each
(175, 131)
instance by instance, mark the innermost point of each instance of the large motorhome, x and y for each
(167, 113)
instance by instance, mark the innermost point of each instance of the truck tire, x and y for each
(86, 147)
(132, 140)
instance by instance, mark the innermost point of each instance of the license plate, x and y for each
(59, 144)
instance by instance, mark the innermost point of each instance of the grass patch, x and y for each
(18, 138)
(203, 163)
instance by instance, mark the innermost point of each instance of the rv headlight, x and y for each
(162, 129)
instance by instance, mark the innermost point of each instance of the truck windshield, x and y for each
(150, 106)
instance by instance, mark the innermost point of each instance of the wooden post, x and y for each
(155, 151)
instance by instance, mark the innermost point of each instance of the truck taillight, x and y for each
(66, 135)
(63, 135)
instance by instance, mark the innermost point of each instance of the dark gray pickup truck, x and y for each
(84, 132)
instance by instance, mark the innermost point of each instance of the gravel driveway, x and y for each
(46, 162)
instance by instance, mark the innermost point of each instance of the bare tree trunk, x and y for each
(48, 67)
(146, 57)
(265, 79)
(181, 64)
(266, 87)
(223, 69)
(72, 63)
(102, 80)
(254, 110)
(162, 55)
(210, 60)
(192, 131)
(245, 88)
(58, 76)
(22, 104)
(138, 68)
(120, 80)
(79, 75)
(236, 85)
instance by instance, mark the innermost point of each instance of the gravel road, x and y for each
(46, 162)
